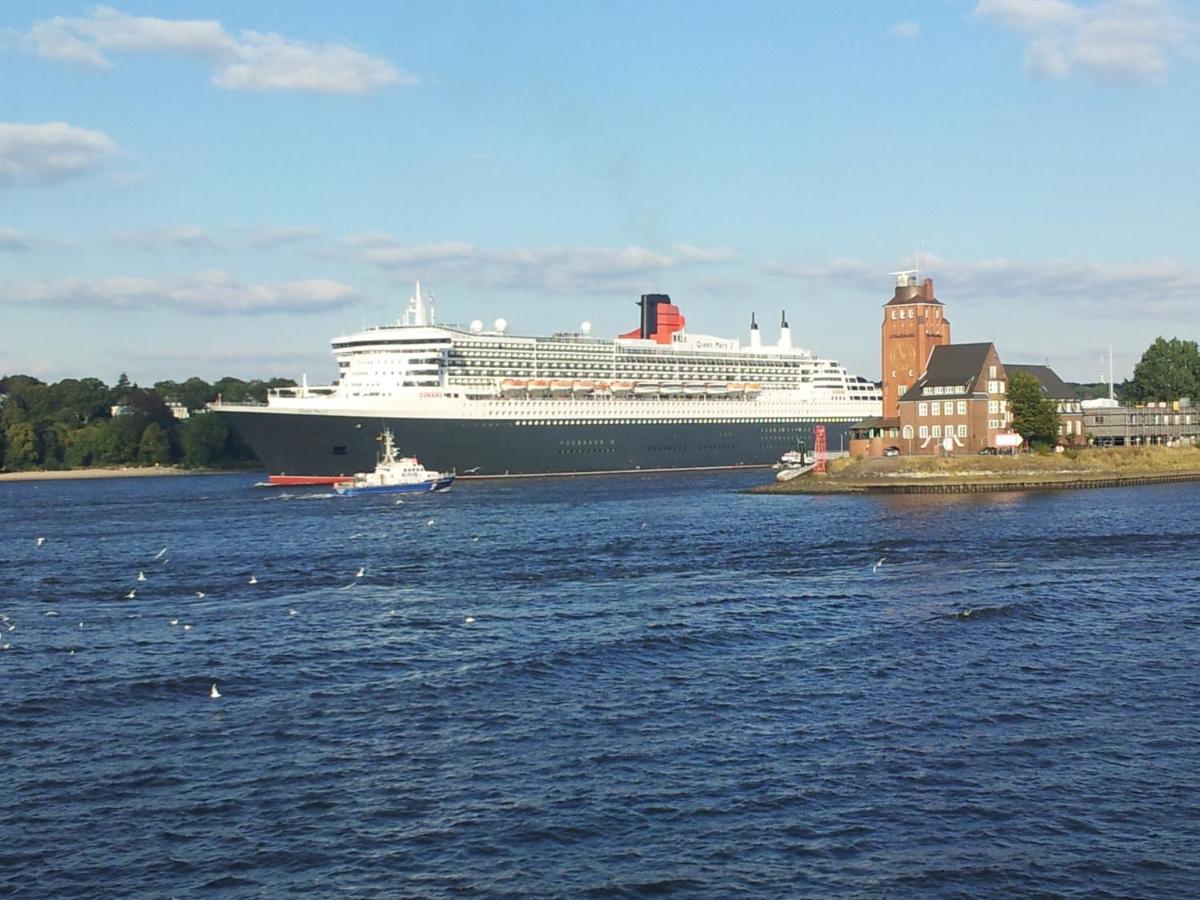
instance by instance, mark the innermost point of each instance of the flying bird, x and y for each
(131, 594)
(160, 553)
(362, 570)
(252, 580)
(40, 541)
(213, 692)
(200, 595)
(430, 522)
(875, 568)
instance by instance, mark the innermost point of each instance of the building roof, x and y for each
(1053, 387)
(874, 422)
(907, 295)
(954, 366)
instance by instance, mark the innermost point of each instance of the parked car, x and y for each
(989, 451)
(891, 451)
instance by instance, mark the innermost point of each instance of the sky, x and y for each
(220, 188)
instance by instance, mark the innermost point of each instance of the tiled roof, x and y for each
(953, 366)
(1053, 387)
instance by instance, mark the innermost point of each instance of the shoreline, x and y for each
(972, 486)
(112, 472)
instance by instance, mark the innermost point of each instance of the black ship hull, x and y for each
(309, 447)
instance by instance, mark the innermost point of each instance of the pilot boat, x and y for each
(394, 474)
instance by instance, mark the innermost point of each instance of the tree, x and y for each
(155, 448)
(1034, 417)
(22, 446)
(1167, 370)
(203, 439)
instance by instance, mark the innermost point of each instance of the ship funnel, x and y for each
(755, 335)
(785, 333)
(418, 312)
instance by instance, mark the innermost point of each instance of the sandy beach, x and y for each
(111, 472)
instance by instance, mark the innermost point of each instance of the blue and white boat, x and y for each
(395, 474)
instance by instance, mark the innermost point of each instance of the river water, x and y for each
(608, 686)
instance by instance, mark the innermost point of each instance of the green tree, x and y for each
(155, 448)
(203, 438)
(22, 443)
(1167, 370)
(1034, 417)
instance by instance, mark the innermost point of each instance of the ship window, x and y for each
(339, 450)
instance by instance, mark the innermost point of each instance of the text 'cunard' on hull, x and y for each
(484, 402)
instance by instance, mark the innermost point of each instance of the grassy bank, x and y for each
(112, 472)
(1023, 471)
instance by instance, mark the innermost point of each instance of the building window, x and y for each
(1001, 387)
(962, 407)
(991, 371)
(924, 431)
(903, 390)
(992, 407)
(962, 430)
(922, 409)
(908, 432)
(937, 430)
(935, 408)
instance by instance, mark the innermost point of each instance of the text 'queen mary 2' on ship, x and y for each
(489, 403)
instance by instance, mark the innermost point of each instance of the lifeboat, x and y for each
(753, 389)
(622, 388)
(695, 389)
(670, 388)
(603, 387)
(513, 387)
(582, 386)
(716, 389)
(560, 388)
(646, 389)
(538, 387)
(735, 389)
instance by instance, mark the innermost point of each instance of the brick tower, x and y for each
(913, 325)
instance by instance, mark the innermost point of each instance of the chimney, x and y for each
(785, 333)
(755, 337)
(927, 289)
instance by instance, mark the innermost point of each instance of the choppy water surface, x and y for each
(666, 687)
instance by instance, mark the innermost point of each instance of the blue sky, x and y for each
(220, 188)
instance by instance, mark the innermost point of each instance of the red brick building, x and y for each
(958, 405)
(913, 324)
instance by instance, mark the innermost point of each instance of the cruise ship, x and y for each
(483, 402)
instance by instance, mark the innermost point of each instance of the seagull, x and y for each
(51, 613)
(187, 627)
(430, 522)
(5, 646)
(474, 539)
(40, 541)
(292, 612)
(81, 625)
(131, 594)
(160, 553)
(875, 568)
(141, 576)
(362, 570)
(469, 620)
(252, 580)
(399, 502)
(200, 595)
(72, 653)
(174, 621)
(213, 692)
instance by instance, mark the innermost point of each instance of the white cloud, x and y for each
(50, 151)
(11, 239)
(1162, 288)
(203, 293)
(551, 269)
(703, 254)
(905, 30)
(1129, 40)
(252, 61)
